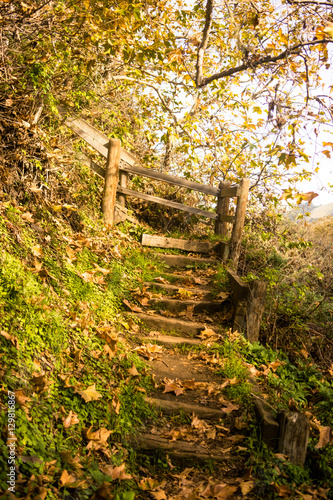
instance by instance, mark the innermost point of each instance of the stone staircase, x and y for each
(184, 314)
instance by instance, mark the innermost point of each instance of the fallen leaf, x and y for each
(90, 394)
(188, 384)
(229, 381)
(116, 404)
(282, 490)
(116, 252)
(101, 434)
(67, 479)
(132, 307)
(21, 398)
(37, 251)
(71, 419)
(246, 487)
(159, 495)
(27, 216)
(133, 371)
(159, 279)
(11, 338)
(147, 484)
(325, 436)
(230, 407)
(206, 333)
(172, 386)
(116, 472)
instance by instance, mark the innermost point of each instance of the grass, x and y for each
(60, 321)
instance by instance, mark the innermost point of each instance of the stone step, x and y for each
(158, 322)
(203, 291)
(188, 450)
(176, 407)
(196, 306)
(172, 340)
(183, 261)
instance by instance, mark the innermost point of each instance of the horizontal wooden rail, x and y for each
(100, 142)
(168, 203)
(95, 138)
(126, 165)
(170, 179)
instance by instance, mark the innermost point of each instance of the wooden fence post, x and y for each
(293, 436)
(222, 208)
(111, 181)
(237, 230)
(123, 180)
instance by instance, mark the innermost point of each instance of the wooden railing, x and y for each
(121, 163)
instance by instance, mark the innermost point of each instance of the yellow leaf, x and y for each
(56, 208)
(67, 479)
(328, 30)
(90, 394)
(37, 251)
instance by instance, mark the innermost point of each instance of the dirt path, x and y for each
(198, 427)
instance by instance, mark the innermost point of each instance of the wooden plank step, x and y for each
(181, 449)
(182, 261)
(175, 407)
(170, 340)
(186, 245)
(172, 289)
(158, 322)
(175, 305)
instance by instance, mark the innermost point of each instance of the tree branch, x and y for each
(294, 50)
(204, 42)
(309, 2)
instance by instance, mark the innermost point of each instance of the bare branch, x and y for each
(251, 64)
(310, 2)
(204, 42)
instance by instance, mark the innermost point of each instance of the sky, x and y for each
(320, 182)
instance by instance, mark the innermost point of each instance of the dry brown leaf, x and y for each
(207, 333)
(198, 424)
(67, 479)
(11, 338)
(211, 433)
(104, 492)
(229, 407)
(27, 216)
(21, 398)
(325, 436)
(246, 487)
(159, 279)
(133, 371)
(132, 307)
(71, 419)
(282, 490)
(90, 394)
(116, 472)
(172, 386)
(147, 484)
(159, 495)
(116, 404)
(188, 384)
(212, 490)
(229, 381)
